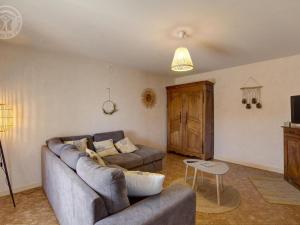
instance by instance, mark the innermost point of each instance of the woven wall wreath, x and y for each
(109, 107)
(149, 97)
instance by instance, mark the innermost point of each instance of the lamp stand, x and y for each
(3, 166)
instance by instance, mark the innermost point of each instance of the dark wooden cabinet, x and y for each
(292, 155)
(191, 119)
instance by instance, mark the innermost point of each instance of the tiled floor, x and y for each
(33, 208)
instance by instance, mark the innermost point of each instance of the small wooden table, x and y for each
(216, 168)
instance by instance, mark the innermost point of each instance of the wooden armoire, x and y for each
(191, 119)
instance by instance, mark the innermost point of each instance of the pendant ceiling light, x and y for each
(182, 60)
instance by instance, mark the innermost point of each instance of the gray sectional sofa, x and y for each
(81, 192)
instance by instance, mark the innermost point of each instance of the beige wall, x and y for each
(253, 137)
(56, 95)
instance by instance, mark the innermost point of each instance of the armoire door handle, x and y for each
(180, 117)
(186, 117)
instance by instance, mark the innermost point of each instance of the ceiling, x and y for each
(140, 33)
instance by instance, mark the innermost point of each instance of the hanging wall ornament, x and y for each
(258, 104)
(251, 93)
(248, 94)
(254, 97)
(109, 107)
(244, 99)
(149, 97)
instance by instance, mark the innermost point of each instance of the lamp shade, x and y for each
(182, 60)
(6, 117)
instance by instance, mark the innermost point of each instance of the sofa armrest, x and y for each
(175, 205)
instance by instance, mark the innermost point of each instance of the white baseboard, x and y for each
(253, 165)
(20, 189)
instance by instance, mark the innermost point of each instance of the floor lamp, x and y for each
(6, 122)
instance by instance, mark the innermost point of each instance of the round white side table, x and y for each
(212, 167)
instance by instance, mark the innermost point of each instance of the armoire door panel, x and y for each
(194, 101)
(193, 107)
(175, 121)
(194, 143)
(208, 126)
(175, 140)
(293, 160)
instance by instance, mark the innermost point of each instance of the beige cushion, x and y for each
(126, 146)
(140, 184)
(93, 155)
(81, 144)
(105, 148)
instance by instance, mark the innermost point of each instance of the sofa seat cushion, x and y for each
(149, 154)
(108, 182)
(116, 167)
(126, 160)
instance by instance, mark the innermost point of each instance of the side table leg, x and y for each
(202, 180)
(218, 189)
(222, 184)
(186, 173)
(195, 177)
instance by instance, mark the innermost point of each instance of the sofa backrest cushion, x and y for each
(70, 155)
(56, 145)
(75, 138)
(108, 182)
(114, 135)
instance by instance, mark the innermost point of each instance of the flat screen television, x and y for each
(295, 109)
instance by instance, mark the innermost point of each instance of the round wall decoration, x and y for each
(149, 97)
(109, 107)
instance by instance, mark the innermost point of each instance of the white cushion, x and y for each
(105, 148)
(80, 144)
(140, 184)
(93, 155)
(126, 146)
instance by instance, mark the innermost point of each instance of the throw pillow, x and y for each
(93, 155)
(126, 146)
(141, 184)
(105, 148)
(81, 144)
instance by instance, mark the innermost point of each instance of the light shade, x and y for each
(6, 117)
(182, 60)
